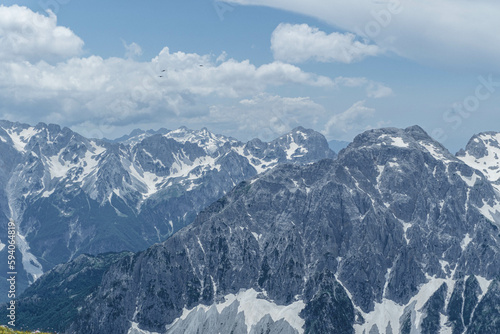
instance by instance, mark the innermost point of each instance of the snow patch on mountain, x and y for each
(204, 138)
(134, 329)
(465, 242)
(483, 153)
(487, 164)
(291, 150)
(30, 262)
(294, 149)
(491, 212)
(394, 141)
(183, 167)
(470, 181)
(21, 137)
(436, 152)
(57, 167)
(255, 162)
(148, 181)
(388, 313)
(47, 193)
(254, 308)
(484, 284)
(257, 236)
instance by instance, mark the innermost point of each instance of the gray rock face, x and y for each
(330, 310)
(396, 235)
(71, 195)
(455, 307)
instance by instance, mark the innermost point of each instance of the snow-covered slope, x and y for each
(247, 311)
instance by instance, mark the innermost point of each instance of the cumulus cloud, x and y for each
(349, 120)
(123, 91)
(458, 33)
(25, 35)
(230, 78)
(300, 42)
(41, 71)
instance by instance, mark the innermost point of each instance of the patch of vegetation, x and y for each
(6, 330)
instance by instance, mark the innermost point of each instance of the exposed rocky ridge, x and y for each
(71, 195)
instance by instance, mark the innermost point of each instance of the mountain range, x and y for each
(71, 195)
(395, 235)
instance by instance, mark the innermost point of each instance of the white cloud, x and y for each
(300, 42)
(25, 35)
(117, 91)
(229, 78)
(222, 57)
(459, 33)
(132, 50)
(350, 120)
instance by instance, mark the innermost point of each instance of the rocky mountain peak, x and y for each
(483, 153)
(395, 140)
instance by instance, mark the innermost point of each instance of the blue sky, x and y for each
(337, 67)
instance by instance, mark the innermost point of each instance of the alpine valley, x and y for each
(70, 195)
(394, 235)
